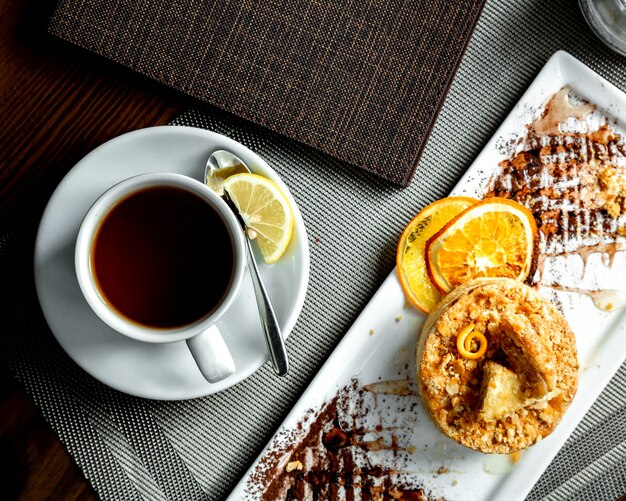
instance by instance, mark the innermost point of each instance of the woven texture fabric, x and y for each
(360, 80)
(131, 448)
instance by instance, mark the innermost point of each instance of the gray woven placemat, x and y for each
(131, 448)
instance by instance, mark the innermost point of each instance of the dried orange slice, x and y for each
(410, 260)
(493, 238)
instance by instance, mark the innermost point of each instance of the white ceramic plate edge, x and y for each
(520, 481)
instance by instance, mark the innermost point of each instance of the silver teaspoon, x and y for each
(222, 164)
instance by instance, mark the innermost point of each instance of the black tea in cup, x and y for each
(163, 257)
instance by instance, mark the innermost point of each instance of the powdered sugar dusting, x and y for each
(569, 169)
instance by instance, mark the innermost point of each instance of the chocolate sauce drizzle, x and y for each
(569, 169)
(336, 453)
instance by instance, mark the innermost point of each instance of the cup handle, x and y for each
(211, 355)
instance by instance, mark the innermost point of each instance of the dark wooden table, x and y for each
(57, 103)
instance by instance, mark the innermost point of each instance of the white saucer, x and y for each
(158, 371)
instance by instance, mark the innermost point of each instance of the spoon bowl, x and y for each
(222, 164)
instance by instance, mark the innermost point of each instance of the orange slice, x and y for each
(493, 238)
(410, 260)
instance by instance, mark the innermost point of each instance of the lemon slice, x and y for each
(265, 210)
(493, 238)
(410, 259)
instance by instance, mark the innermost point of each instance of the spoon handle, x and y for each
(271, 329)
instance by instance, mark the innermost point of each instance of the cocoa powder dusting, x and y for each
(337, 454)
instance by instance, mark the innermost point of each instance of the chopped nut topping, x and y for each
(294, 465)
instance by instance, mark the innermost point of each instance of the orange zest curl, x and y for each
(464, 343)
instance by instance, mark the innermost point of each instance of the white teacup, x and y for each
(202, 336)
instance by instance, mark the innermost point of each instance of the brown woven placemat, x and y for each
(362, 80)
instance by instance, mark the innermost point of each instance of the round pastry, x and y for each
(496, 365)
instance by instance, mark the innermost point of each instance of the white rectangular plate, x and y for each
(380, 344)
